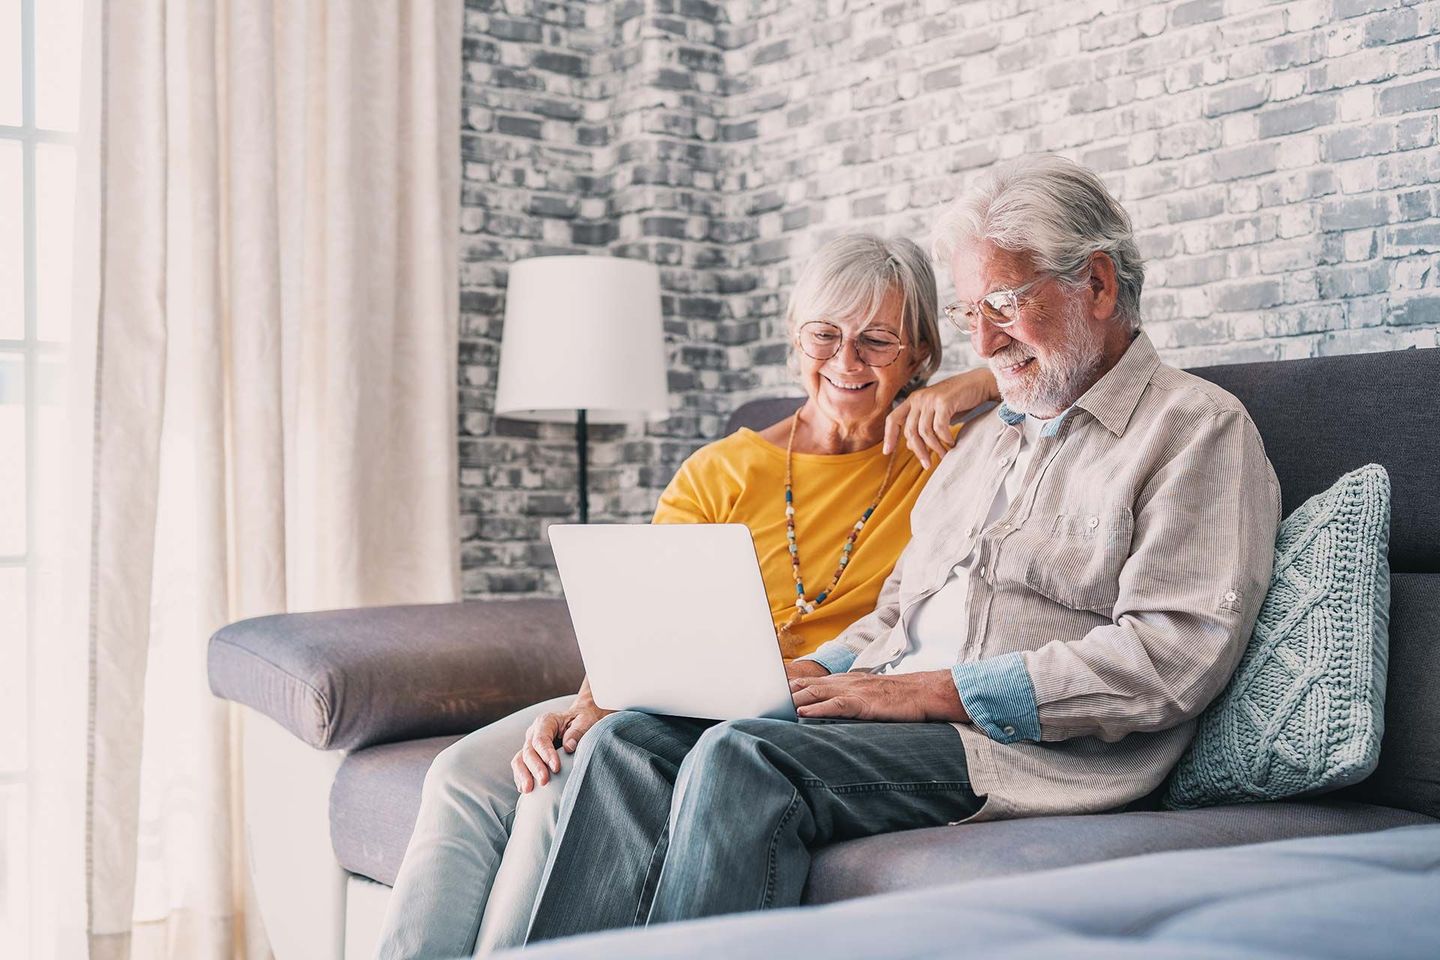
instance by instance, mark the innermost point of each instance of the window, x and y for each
(40, 43)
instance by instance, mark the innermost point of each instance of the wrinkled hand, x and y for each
(540, 758)
(907, 698)
(923, 419)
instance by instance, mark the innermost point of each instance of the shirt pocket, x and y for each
(1077, 561)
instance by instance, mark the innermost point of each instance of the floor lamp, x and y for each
(583, 343)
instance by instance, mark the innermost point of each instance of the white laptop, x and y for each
(673, 618)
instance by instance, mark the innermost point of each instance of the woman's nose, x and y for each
(848, 356)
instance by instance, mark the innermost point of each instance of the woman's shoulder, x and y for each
(730, 462)
(742, 446)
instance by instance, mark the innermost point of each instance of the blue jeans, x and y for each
(667, 818)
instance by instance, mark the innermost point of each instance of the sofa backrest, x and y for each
(1320, 418)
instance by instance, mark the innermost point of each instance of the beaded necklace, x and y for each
(803, 606)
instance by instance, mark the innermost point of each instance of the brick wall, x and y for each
(1280, 161)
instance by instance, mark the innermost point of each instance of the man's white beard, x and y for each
(1060, 378)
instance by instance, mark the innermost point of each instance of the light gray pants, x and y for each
(473, 867)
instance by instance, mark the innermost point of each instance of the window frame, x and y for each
(32, 352)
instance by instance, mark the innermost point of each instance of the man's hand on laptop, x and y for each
(906, 698)
(539, 758)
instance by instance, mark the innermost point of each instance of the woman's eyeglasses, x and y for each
(821, 340)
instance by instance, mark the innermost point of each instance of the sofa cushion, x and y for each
(1305, 709)
(923, 858)
(1367, 895)
(345, 679)
(374, 803)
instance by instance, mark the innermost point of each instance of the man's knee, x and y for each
(732, 745)
(615, 733)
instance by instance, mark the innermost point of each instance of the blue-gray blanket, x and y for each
(1357, 896)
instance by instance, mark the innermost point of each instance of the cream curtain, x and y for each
(263, 415)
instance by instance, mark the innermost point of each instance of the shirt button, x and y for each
(982, 573)
(1008, 731)
(1094, 522)
(1230, 596)
(1004, 461)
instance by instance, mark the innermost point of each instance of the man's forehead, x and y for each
(978, 268)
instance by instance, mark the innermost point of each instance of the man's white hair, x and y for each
(1056, 211)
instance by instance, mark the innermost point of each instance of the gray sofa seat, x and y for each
(374, 803)
(376, 798)
(978, 851)
(1363, 895)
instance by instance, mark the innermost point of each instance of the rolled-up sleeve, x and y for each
(998, 697)
(1189, 591)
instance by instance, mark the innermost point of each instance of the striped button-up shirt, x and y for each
(1108, 603)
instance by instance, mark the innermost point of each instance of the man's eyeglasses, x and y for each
(1000, 308)
(821, 340)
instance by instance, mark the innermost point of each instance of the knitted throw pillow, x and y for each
(1305, 709)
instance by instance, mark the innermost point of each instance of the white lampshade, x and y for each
(583, 333)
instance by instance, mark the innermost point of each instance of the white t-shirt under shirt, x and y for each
(937, 624)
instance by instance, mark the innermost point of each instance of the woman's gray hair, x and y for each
(853, 275)
(1056, 211)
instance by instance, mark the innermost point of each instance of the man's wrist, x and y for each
(942, 699)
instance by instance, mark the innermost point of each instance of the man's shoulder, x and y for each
(1174, 392)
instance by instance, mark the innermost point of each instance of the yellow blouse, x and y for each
(741, 479)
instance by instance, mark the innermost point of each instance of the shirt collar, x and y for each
(1114, 397)
(1014, 418)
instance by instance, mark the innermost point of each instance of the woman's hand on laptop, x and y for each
(539, 758)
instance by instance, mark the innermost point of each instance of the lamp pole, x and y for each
(582, 450)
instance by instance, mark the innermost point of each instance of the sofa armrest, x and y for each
(345, 679)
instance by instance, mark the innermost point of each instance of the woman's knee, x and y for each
(476, 766)
(537, 812)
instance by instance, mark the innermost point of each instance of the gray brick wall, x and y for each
(1280, 161)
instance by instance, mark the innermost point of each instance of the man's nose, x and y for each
(987, 340)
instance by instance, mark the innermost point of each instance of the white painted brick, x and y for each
(731, 154)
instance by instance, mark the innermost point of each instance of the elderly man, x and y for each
(1084, 572)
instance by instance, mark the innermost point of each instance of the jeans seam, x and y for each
(646, 889)
(768, 895)
(880, 786)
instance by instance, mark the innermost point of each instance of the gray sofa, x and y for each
(379, 692)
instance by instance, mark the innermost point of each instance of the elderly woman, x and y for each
(827, 495)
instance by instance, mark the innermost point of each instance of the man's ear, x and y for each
(1104, 286)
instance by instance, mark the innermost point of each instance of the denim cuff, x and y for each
(833, 656)
(999, 697)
